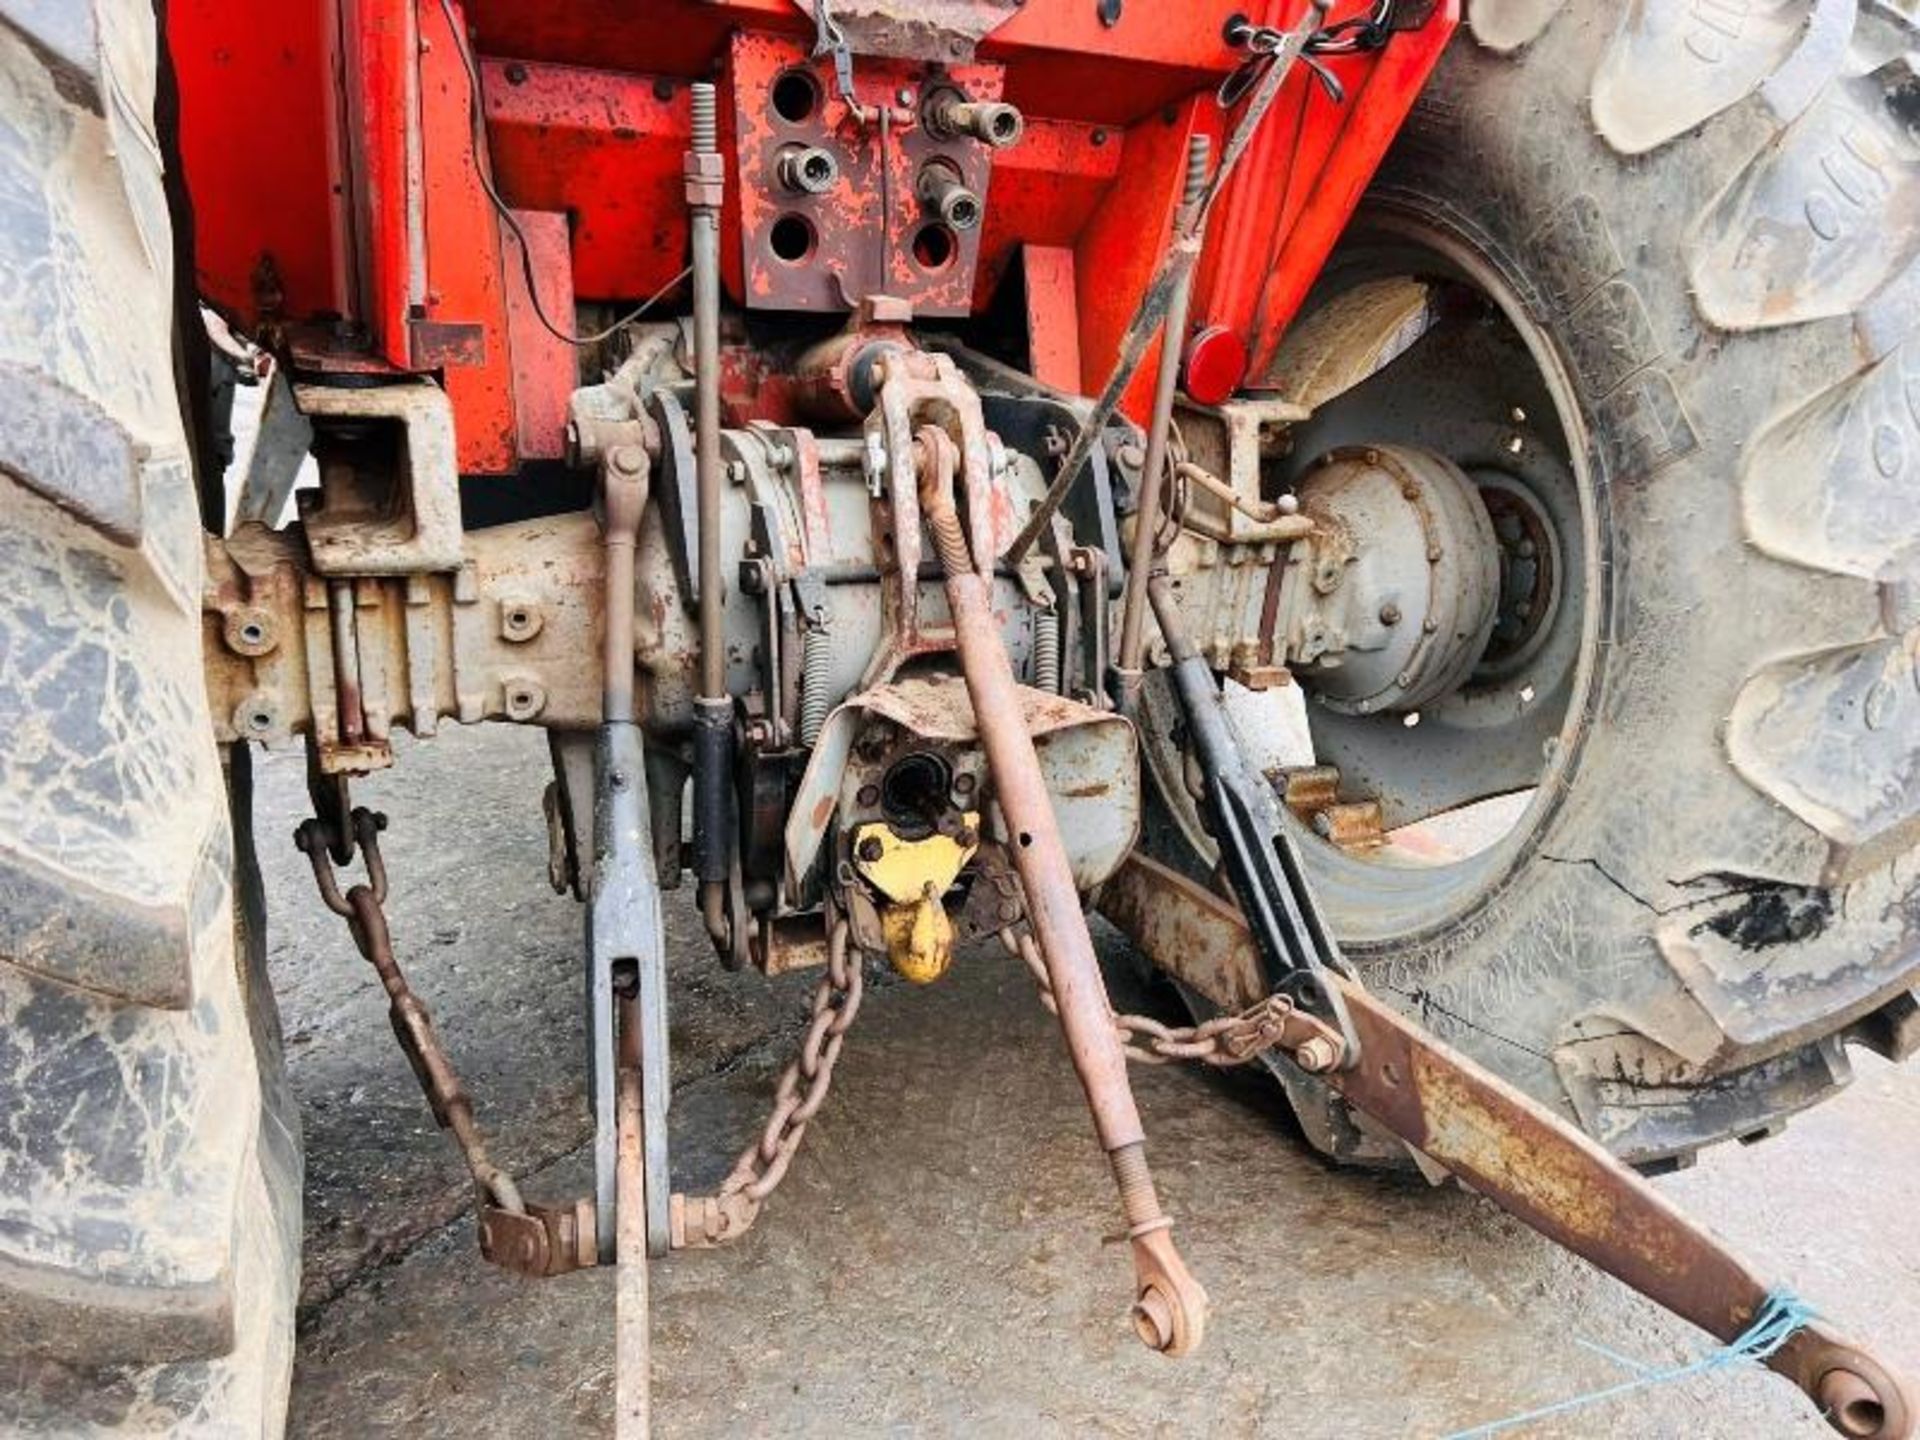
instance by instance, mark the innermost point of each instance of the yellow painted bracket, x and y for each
(913, 875)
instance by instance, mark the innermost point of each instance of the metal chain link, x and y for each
(363, 907)
(723, 1216)
(1223, 1041)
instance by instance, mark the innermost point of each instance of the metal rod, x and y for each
(704, 185)
(1181, 255)
(713, 852)
(1146, 513)
(1170, 1307)
(624, 487)
(346, 661)
(633, 1344)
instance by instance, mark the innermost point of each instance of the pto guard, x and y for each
(1089, 759)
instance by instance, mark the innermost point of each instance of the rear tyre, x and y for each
(1702, 254)
(149, 1160)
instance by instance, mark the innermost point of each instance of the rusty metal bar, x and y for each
(633, 1344)
(346, 661)
(1169, 1312)
(1514, 1151)
(1153, 474)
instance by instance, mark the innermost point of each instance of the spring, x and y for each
(816, 666)
(1046, 649)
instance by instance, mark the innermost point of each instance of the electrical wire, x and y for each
(507, 218)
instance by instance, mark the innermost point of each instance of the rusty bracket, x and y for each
(543, 1241)
(1516, 1152)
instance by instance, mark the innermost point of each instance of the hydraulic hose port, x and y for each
(794, 96)
(949, 115)
(1000, 125)
(944, 192)
(914, 793)
(806, 169)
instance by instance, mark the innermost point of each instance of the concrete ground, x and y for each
(935, 1264)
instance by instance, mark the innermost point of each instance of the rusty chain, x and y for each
(363, 907)
(1223, 1041)
(542, 1241)
(704, 1220)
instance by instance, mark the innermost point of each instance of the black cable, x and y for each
(478, 114)
(1352, 36)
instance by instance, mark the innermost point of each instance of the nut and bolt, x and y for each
(525, 698)
(1389, 614)
(520, 621)
(1316, 1055)
(251, 632)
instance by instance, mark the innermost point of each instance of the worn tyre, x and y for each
(1708, 232)
(149, 1170)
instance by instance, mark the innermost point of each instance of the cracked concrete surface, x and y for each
(934, 1264)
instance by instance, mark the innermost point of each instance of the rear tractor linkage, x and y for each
(840, 834)
(1268, 961)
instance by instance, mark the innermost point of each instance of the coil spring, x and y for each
(816, 664)
(1046, 649)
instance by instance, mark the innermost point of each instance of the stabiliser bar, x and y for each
(1298, 956)
(1514, 1151)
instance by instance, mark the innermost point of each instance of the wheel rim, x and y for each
(1461, 371)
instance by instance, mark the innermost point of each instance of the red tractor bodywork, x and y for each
(331, 156)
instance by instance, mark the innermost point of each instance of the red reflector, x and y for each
(1216, 364)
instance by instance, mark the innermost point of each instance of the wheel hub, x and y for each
(1413, 575)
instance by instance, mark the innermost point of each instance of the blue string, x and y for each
(1780, 1317)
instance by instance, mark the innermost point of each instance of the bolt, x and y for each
(1433, 554)
(871, 849)
(520, 621)
(1316, 1055)
(1322, 823)
(1404, 679)
(618, 780)
(869, 796)
(627, 459)
(963, 784)
(1410, 491)
(1372, 457)
(1429, 625)
(1390, 614)
(1526, 549)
